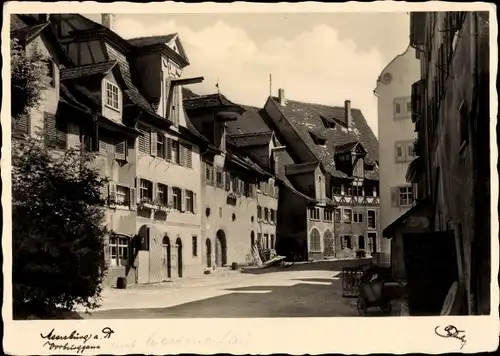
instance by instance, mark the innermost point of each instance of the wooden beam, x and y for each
(187, 81)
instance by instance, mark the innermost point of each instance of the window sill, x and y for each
(315, 220)
(118, 110)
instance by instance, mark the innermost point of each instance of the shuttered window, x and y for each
(55, 131)
(144, 140)
(228, 181)
(168, 149)
(20, 126)
(121, 150)
(187, 155)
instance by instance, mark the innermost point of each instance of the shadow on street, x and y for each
(324, 265)
(300, 300)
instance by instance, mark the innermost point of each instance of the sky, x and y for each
(323, 58)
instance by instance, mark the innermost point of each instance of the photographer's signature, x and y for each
(451, 331)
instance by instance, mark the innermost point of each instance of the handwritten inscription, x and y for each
(451, 331)
(75, 341)
(228, 338)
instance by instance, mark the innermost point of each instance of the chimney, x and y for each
(107, 20)
(347, 113)
(281, 96)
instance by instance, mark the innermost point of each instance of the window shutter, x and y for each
(61, 133)
(112, 192)
(154, 147)
(21, 125)
(194, 203)
(138, 188)
(121, 150)
(169, 196)
(228, 181)
(105, 191)
(189, 156)
(276, 192)
(183, 200)
(133, 200)
(394, 197)
(155, 190)
(181, 155)
(50, 129)
(168, 148)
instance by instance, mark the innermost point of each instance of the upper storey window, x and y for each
(112, 96)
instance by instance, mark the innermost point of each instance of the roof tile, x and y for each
(151, 40)
(307, 117)
(87, 70)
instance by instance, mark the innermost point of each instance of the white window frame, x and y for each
(164, 190)
(145, 188)
(314, 214)
(121, 244)
(339, 211)
(344, 220)
(374, 219)
(407, 191)
(110, 99)
(176, 198)
(327, 215)
(126, 201)
(190, 201)
(403, 106)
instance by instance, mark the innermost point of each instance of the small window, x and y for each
(50, 65)
(189, 201)
(346, 242)
(146, 190)
(347, 216)
(259, 212)
(195, 245)
(209, 174)
(397, 108)
(405, 196)
(371, 219)
(177, 198)
(338, 215)
(328, 215)
(358, 217)
(408, 106)
(266, 214)
(336, 189)
(162, 194)
(273, 217)
(118, 250)
(369, 190)
(400, 154)
(219, 177)
(176, 152)
(112, 95)
(314, 214)
(160, 146)
(122, 196)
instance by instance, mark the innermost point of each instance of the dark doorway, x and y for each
(220, 249)
(179, 256)
(208, 244)
(430, 270)
(167, 259)
(361, 242)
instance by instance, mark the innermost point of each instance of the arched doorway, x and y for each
(220, 249)
(144, 235)
(314, 241)
(208, 244)
(167, 258)
(328, 243)
(178, 242)
(252, 239)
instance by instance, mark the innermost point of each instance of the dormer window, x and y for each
(319, 140)
(112, 96)
(328, 123)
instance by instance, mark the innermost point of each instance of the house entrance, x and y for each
(220, 249)
(179, 256)
(208, 244)
(167, 259)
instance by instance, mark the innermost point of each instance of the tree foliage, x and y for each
(28, 79)
(57, 216)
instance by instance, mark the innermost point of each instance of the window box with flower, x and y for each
(145, 203)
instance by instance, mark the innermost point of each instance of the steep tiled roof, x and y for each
(16, 23)
(251, 121)
(252, 139)
(87, 70)
(207, 101)
(346, 147)
(30, 31)
(306, 117)
(151, 40)
(299, 168)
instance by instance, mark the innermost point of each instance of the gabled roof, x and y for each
(151, 40)
(29, 32)
(300, 168)
(87, 70)
(208, 101)
(306, 117)
(252, 139)
(250, 122)
(349, 147)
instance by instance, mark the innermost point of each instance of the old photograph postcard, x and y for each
(249, 178)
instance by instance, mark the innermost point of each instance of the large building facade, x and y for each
(396, 133)
(451, 221)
